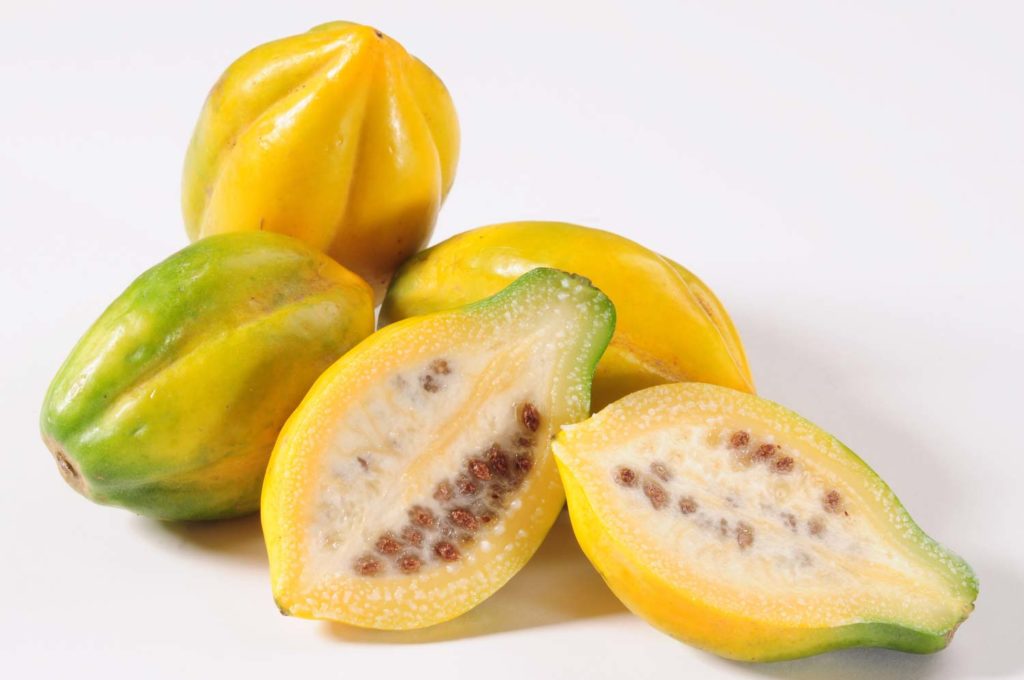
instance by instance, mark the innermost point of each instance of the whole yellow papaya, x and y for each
(170, 404)
(337, 136)
(671, 327)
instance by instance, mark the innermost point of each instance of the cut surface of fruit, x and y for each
(733, 524)
(670, 325)
(416, 477)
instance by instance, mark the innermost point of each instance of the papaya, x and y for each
(170, 404)
(336, 136)
(671, 327)
(416, 478)
(733, 524)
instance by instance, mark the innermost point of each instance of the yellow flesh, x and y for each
(868, 562)
(324, 508)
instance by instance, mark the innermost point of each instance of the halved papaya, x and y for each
(415, 479)
(735, 525)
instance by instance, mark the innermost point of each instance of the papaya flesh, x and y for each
(733, 524)
(170, 404)
(336, 136)
(416, 478)
(670, 327)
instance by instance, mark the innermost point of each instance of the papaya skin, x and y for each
(170, 404)
(336, 136)
(671, 327)
(546, 318)
(684, 609)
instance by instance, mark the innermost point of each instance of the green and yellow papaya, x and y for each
(671, 327)
(171, 402)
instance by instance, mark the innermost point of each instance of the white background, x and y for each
(847, 177)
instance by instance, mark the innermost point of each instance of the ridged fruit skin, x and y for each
(671, 327)
(680, 612)
(336, 136)
(170, 404)
(290, 477)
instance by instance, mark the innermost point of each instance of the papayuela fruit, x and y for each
(337, 136)
(735, 525)
(416, 478)
(670, 327)
(170, 404)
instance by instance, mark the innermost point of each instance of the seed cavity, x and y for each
(816, 526)
(462, 505)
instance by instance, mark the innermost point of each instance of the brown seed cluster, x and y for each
(430, 380)
(463, 504)
(750, 452)
(660, 498)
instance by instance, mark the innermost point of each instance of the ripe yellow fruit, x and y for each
(670, 328)
(337, 136)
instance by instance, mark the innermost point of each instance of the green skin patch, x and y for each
(171, 402)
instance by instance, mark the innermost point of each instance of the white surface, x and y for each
(846, 176)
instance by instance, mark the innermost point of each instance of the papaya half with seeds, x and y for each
(416, 477)
(671, 327)
(170, 404)
(336, 136)
(733, 524)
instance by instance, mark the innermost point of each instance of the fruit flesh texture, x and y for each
(416, 478)
(170, 404)
(733, 524)
(337, 136)
(670, 328)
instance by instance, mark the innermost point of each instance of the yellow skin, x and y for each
(337, 136)
(670, 328)
(916, 611)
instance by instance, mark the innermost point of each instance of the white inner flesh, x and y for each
(782, 544)
(400, 441)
